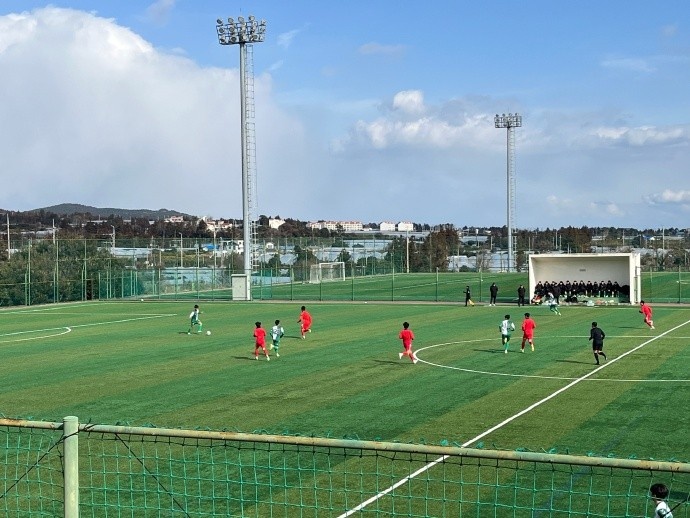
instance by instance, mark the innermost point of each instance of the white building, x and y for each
(346, 226)
(217, 225)
(386, 226)
(405, 226)
(275, 223)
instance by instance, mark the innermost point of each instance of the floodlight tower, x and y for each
(245, 33)
(510, 122)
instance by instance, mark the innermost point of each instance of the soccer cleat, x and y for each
(532, 348)
(303, 337)
(653, 327)
(268, 359)
(522, 350)
(506, 351)
(596, 363)
(189, 333)
(310, 330)
(277, 355)
(415, 360)
(256, 357)
(400, 355)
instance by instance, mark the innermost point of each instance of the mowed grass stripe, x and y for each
(346, 379)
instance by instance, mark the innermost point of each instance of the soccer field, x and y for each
(135, 363)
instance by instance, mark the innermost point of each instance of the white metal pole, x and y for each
(509, 209)
(245, 165)
(70, 430)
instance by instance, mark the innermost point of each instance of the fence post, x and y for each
(70, 429)
(437, 284)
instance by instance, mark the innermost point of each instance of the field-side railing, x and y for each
(71, 469)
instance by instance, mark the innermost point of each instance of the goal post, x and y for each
(326, 272)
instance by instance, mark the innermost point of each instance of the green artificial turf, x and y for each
(134, 363)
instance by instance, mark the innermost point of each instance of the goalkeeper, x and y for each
(507, 327)
(277, 333)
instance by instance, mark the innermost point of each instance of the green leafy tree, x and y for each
(344, 256)
(274, 262)
(66, 270)
(520, 260)
(304, 258)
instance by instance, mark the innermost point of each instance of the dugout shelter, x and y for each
(623, 268)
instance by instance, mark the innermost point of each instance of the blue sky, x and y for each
(367, 111)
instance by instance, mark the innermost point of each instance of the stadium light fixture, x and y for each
(242, 32)
(510, 122)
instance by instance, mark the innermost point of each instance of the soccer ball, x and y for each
(208, 333)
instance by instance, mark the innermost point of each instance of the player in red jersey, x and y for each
(260, 341)
(305, 321)
(528, 326)
(406, 335)
(647, 312)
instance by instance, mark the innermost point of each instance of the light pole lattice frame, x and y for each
(509, 122)
(244, 32)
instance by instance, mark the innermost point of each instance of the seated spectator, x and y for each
(539, 289)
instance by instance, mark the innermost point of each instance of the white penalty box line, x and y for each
(68, 329)
(503, 423)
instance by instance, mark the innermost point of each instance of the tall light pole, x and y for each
(510, 122)
(244, 32)
(476, 242)
(9, 247)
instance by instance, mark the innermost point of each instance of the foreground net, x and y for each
(142, 472)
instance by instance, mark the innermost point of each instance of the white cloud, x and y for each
(409, 122)
(670, 196)
(159, 11)
(100, 117)
(276, 66)
(643, 135)
(93, 113)
(606, 207)
(629, 64)
(410, 101)
(285, 39)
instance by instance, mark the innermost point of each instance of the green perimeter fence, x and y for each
(71, 469)
(293, 283)
(216, 284)
(40, 271)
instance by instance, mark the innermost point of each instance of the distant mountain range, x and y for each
(67, 209)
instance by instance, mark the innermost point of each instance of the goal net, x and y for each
(326, 272)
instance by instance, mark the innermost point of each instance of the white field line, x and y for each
(67, 329)
(430, 465)
(563, 378)
(62, 331)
